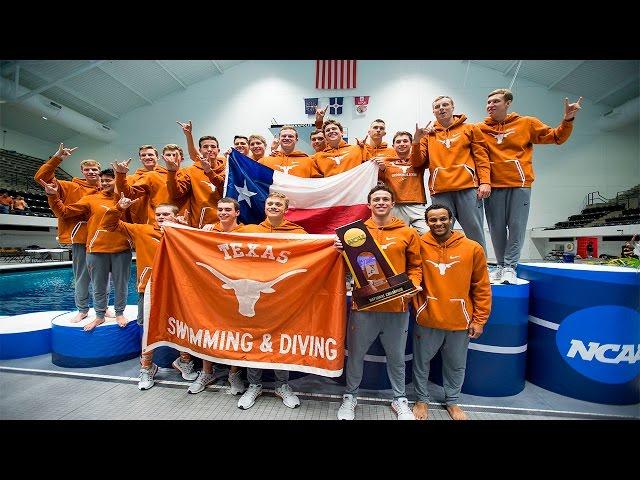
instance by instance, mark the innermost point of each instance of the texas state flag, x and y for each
(320, 205)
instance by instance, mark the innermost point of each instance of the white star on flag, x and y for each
(244, 193)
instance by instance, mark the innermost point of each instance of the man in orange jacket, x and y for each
(389, 320)
(452, 308)
(456, 154)
(275, 207)
(338, 156)
(228, 212)
(73, 230)
(510, 139)
(148, 183)
(287, 159)
(407, 183)
(199, 185)
(107, 252)
(146, 238)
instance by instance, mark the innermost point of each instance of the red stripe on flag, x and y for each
(353, 62)
(325, 220)
(335, 74)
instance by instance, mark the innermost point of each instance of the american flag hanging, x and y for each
(335, 74)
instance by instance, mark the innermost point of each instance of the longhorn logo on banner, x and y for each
(252, 300)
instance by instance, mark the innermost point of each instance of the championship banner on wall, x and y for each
(253, 300)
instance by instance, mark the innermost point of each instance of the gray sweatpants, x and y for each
(426, 343)
(508, 208)
(413, 215)
(363, 329)
(99, 265)
(467, 209)
(254, 376)
(80, 276)
(140, 319)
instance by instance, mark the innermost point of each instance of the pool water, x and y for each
(43, 290)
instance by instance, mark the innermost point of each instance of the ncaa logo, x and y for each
(602, 343)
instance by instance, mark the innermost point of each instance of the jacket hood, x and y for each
(452, 241)
(457, 120)
(295, 153)
(84, 183)
(511, 117)
(285, 226)
(395, 223)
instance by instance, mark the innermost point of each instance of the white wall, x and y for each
(26, 144)
(248, 96)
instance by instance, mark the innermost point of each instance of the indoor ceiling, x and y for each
(105, 90)
(102, 90)
(607, 82)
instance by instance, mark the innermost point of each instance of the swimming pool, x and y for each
(44, 290)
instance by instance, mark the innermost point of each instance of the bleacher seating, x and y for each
(16, 177)
(616, 211)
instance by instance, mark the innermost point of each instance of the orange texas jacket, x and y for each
(70, 230)
(297, 163)
(93, 208)
(406, 181)
(218, 228)
(265, 227)
(456, 288)
(381, 151)
(148, 185)
(146, 238)
(200, 191)
(332, 161)
(510, 145)
(456, 156)
(401, 245)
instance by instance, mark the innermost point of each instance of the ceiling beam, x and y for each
(16, 80)
(620, 86)
(87, 100)
(513, 64)
(565, 75)
(127, 86)
(73, 73)
(74, 93)
(175, 77)
(215, 64)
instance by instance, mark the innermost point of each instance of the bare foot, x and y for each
(421, 411)
(122, 321)
(456, 413)
(90, 326)
(79, 317)
(110, 313)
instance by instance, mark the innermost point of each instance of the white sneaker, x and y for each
(185, 369)
(496, 275)
(509, 276)
(237, 385)
(146, 377)
(201, 382)
(248, 399)
(289, 398)
(347, 410)
(401, 407)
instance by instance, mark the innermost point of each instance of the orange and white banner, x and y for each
(254, 300)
